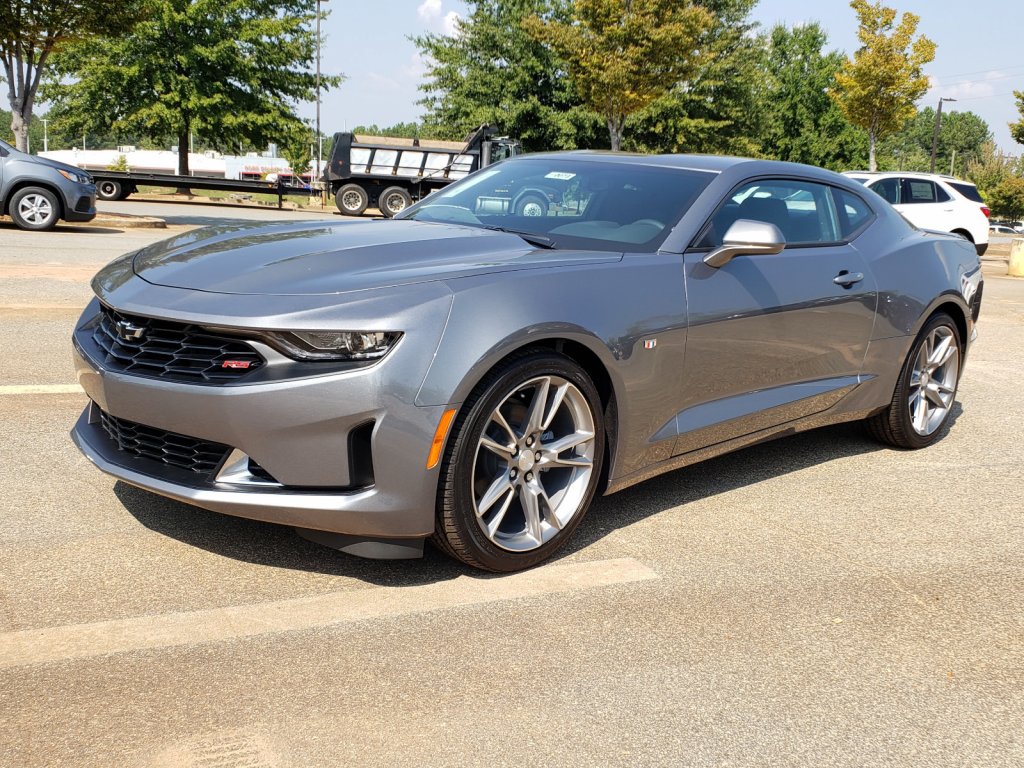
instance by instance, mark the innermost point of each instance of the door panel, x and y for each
(771, 338)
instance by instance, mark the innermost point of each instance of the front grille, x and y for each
(84, 205)
(188, 453)
(172, 351)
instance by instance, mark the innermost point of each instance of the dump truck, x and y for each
(391, 173)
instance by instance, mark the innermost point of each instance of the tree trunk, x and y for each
(183, 159)
(19, 127)
(615, 133)
(872, 160)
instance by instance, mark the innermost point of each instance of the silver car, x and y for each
(471, 375)
(37, 193)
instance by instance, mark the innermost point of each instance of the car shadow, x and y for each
(279, 546)
(7, 224)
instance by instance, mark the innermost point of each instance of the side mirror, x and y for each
(746, 238)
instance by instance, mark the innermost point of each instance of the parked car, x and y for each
(475, 375)
(1002, 229)
(933, 201)
(36, 192)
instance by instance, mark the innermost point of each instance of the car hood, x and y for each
(36, 160)
(333, 257)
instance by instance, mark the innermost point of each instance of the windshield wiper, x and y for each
(539, 240)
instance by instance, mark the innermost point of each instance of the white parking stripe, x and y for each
(40, 389)
(79, 641)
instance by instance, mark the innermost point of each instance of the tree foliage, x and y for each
(803, 124)
(31, 31)
(1007, 198)
(492, 71)
(622, 55)
(228, 70)
(962, 136)
(719, 109)
(990, 169)
(878, 87)
(1017, 128)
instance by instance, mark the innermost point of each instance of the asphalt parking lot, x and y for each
(817, 601)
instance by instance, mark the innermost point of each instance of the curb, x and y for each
(124, 221)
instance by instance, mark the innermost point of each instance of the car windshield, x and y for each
(568, 203)
(6, 146)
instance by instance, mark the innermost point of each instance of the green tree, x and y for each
(720, 108)
(31, 31)
(494, 72)
(1007, 199)
(961, 138)
(1017, 128)
(229, 71)
(990, 169)
(623, 55)
(804, 125)
(398, 130)
(878, 87)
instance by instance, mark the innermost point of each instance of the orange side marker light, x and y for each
(440, 435)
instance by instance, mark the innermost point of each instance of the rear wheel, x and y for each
(352, 200)
(110, 190)
(926, 389)
(393, 200)
(35, 208)
(523, 464)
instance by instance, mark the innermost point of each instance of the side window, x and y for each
(852, 212)
(918, 191)
(802, 210)
(889, 189)
(941, 195)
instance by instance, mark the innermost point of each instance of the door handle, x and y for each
(846, 279)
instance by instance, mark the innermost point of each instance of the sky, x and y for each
(978, 60)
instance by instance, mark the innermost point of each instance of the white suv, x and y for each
(933, 201)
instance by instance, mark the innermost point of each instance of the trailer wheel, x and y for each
(126, 192)
(351, 200)
(108, 189)
(393, 200)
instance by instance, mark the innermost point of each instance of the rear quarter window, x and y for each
(969, 191)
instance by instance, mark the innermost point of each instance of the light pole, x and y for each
(935, 132)
(46, 136)
(319, 145)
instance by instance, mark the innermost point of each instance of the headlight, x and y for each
(334, 345)
(81, 178)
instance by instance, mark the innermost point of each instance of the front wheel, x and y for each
(35, 208)
(523, 464)
(926, 390)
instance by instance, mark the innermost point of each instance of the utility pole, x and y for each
(319, 158)
(46, 136)
(935, 133)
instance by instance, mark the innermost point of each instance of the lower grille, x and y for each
(188, 453)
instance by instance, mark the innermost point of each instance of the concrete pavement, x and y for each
(814, 601)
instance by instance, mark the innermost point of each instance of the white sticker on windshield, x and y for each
(560, 175)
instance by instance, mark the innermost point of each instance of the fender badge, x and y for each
(650, 343)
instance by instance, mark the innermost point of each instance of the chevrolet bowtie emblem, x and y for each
(128, 331)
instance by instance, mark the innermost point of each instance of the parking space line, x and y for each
(40, 389)
(79, 641)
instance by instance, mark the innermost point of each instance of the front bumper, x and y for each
(297, 430)
(80, 203)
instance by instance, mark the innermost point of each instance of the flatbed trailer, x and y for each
(117, 185)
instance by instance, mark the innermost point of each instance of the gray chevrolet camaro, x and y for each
(475, 375)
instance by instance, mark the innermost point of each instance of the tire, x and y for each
(352, 200)
(393, 200)
(126, 192)
(35, 208)
(108, 189)
(526, 513)
(913, 420)
(531, 205)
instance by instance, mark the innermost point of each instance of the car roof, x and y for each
(709, 163)
(910, 174)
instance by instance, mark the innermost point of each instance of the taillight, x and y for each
(986, 211)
